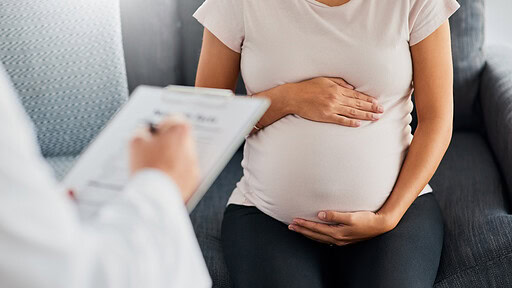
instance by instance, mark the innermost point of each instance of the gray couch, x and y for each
(161, 46)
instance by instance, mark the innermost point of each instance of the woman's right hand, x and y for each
(332, 100)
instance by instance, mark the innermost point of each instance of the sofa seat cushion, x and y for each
(478, 228)
(207, 219)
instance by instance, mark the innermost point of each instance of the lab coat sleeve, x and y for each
(145, 239)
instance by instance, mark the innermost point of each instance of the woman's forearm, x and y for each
(433, 92)
(430, 142)
(280, 104)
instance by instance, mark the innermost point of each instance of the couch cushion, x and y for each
(496, 99)
(467, 28)
(478, 227)
(207, 219)
(66, 61)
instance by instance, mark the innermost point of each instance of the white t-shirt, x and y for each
(297, 167)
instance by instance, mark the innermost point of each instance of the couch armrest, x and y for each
(496, 100)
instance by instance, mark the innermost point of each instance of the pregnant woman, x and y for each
(335, 188)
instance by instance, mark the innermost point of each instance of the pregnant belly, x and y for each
(297, 167)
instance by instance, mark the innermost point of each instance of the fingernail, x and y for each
(291, 227)
(357, 123)
(322, 215)
(375, 116)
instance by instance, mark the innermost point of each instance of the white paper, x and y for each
(219, 125)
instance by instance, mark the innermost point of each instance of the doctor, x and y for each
(144, 239)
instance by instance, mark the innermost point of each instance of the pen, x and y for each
(152, 128)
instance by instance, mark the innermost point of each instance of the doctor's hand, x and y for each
(333, 100)
(348, 228)
(168, 148)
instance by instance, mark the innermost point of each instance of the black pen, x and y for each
(152, 128)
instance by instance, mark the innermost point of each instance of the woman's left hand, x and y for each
(348, 228)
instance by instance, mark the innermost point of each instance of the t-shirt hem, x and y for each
(426, 190)
(238, 196)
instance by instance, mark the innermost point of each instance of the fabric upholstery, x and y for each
(191, 39)
(478, 225)
(496, 98)
(151, 58)
(207, 219)
(467, 28)
(170, 53)
(61, 165)
(66, 61)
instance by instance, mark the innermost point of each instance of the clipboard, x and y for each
(220, 122)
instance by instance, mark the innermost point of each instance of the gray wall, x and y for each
(499, 22)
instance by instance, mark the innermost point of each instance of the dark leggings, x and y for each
(261, 252)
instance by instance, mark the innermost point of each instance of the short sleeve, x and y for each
(425, 16)
(225, 19)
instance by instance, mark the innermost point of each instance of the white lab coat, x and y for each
(144, 239)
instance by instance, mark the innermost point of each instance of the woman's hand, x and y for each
(348, 228)
(328, 100)
(332, 100)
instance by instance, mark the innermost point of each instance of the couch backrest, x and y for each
(152, 45)
(191, 39)
(66, 61)
(191, 33)
(467, 28)
(170, 53)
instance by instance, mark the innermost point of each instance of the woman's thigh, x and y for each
(261, 252)
(408, 256)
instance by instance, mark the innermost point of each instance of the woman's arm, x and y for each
(329, 100)
(219, 67)
(433, 83)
